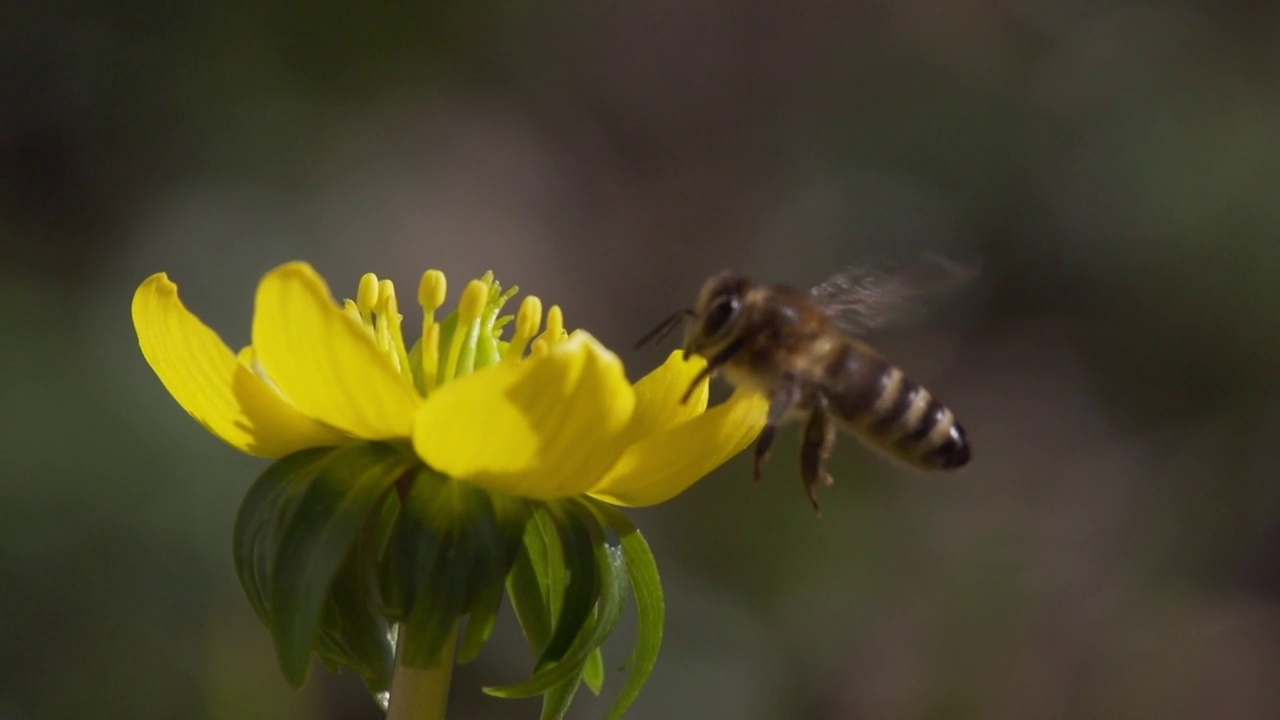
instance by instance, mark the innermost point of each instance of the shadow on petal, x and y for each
(545, 428)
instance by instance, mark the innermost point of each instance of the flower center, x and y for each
(467, 339)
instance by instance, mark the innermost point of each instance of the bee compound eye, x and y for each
(720, 314)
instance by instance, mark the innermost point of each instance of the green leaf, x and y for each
(613, 596)
(536, 581)
(650, 607)
(552, 567)
(434, 616)
(524, 588)
(411, 549)
(578, 540)
(593, 671)
(315, 540)
(265, 508)
(452, 552)
(430, 558)
(352, 632)
(558, 699)
(498, 534)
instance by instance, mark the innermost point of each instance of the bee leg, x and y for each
(713, 363)
(762, 449)
(819, 437)
(784, 397)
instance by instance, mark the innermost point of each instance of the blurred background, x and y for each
(1112, 552)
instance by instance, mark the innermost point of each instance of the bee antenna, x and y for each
(665, 328)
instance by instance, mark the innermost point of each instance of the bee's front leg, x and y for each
(785, 395)
(819, 438)
(713, 363)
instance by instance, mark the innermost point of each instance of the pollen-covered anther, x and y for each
(528, 322)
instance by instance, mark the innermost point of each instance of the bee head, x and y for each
(717, 312)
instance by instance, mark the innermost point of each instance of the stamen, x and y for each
(555, 328)
(367, 296)
(528, 320)
(395, 336)
(431, 357)
(381, 334)
(470, 308)
(431, 295)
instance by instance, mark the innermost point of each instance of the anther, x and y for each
(555, 327)
(528, 321)
(367, 295)
(431, 292)
(389, 308)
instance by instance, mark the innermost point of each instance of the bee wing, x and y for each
(861, 299)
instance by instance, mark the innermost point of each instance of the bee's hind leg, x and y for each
(819, 439)
(763, 444)
(781, 401)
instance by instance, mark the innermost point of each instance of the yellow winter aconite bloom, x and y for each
(557, 421)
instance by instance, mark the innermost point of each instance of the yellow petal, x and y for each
(545, 428)
(664, 465)
(207, 380)
(326, 362)
(658, 395)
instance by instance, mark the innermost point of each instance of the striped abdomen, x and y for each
(875, 400)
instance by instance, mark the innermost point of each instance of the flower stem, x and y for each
(422, 693)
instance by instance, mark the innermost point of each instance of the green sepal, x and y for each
(650, 606)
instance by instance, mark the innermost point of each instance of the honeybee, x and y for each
(802, 351)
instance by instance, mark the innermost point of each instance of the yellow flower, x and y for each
(557, 422)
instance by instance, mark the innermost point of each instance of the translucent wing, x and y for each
(863, 299)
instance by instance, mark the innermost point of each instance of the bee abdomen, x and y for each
(904, 419)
